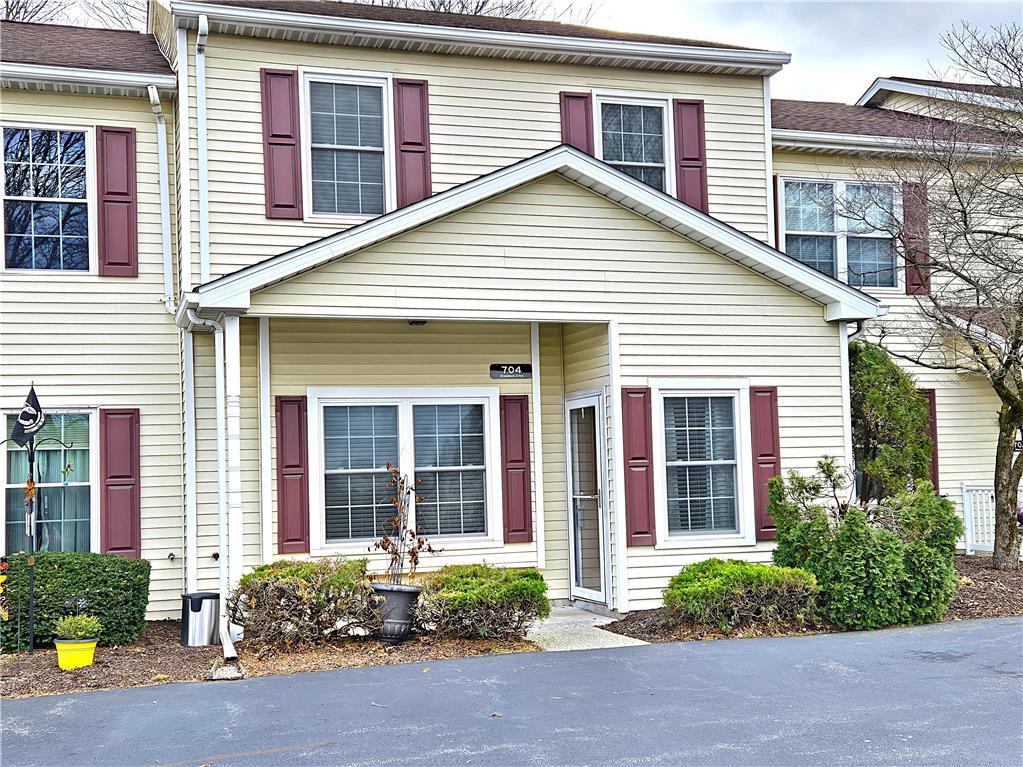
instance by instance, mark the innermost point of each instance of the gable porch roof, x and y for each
(232, 292)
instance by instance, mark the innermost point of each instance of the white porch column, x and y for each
(534, 345)
(232, 409)
(621, 576)
(265, 414)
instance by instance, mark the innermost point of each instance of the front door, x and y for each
(586, 507)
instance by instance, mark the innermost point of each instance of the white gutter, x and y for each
(184, 166)
(548, 46)
(204, 178)
(93, 78)
(220, 403)
(851, 143)
(165, 228)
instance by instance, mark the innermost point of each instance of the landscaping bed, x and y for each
(983, 592)
(157, 657)
(357, 653)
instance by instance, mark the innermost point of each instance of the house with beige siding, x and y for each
(539, 267)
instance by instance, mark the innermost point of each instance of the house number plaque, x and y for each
(511, 371)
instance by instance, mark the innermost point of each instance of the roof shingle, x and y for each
(828, 117)
(54, 45)
(361, 11)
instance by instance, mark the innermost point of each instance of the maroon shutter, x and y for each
(412, 136)
(120, 501)
(282, 158)
(577, 121)
(914, 222)
(292, 476)
(117, 215)
(638, 445)
(766, 453)
(932, 432)
(690, 154)
(515, 476)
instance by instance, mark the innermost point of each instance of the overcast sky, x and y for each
(837, 48)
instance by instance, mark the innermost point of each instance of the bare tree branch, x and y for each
(37, 11)
(118, 14)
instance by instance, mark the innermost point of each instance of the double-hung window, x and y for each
(634, 138)
(45, 199)
(347, 140)
(63, 499)
(842, 229)
(701, 467)
(444, 445)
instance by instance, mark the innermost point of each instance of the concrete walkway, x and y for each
(946, 694)
(573, 628)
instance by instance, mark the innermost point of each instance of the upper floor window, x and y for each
(842, 229)
(632, 140)
(45, 199)
(347, 143)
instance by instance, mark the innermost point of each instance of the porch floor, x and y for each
(573, 628)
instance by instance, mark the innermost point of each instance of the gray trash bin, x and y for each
(200, 618)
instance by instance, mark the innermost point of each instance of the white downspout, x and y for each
(200, 119)
(220, 400)
(165, 227)
(184, 167)
(191, 502)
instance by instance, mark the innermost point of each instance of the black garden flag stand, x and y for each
(30, 421)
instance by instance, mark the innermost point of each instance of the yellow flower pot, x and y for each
(75, 653)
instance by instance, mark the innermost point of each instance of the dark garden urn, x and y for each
(398, 601)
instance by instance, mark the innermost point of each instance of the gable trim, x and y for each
(883, 87)
(841, 301)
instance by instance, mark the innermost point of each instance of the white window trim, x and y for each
(841, 232)
(90, 197)
(738, 389)
(94, 477)
(382, 80)
(404, 399)
(640, 98)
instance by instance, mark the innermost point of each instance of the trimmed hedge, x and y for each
(732, 593)
(298, 603)
(114, 589)
(480, 601)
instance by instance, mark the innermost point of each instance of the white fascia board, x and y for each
(818, 141)
(766, 62)
(882, 86)
(232, 292)
(97, 78)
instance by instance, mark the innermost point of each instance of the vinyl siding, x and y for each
(553, 250)
(967, 406)
(91, 342)
(485, 114)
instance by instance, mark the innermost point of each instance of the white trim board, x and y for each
(883, 86)
(233, 292)
(90, 80)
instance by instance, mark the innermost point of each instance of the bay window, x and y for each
(843, 230)
(64, 498)
(45, 199)
(446, 443)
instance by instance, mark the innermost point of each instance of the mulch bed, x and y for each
(356, 653)
(156, 658)
(983, 593)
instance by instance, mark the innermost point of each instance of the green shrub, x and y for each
(77, 627)
(296, 603)
(861, 575)
(114, 589)
(480, 601)
(893, 563)
(732, 593)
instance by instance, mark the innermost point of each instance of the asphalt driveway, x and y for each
(945, 694)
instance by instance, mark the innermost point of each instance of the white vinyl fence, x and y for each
(979, 516)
